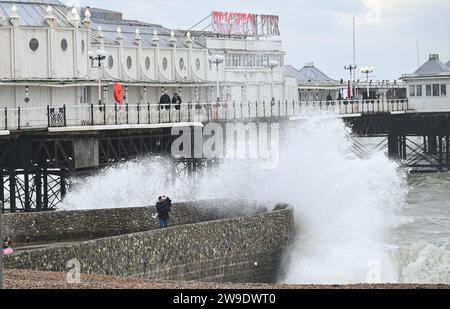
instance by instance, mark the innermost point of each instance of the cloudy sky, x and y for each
(320, 31)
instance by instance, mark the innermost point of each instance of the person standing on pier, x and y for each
(176, 100)
(163, 207)
(164, 101)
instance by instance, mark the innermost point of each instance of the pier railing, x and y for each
(135, 114)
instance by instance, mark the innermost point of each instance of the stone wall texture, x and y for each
(91, 224)
(247, 248)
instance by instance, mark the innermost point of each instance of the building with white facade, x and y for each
(45, 45)
(428, 86)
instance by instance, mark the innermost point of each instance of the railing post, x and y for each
(234, 109)
(65, 115)
(189, 111)
(159, 113)
(148, 113)
(115, 113)
(249, 110)
(92, 114)
(264, 108)
(6, 118)
(128, 111)
(48, 116)
(18, 118)
(179, 111)
(104, 114)
(170, 113)
(139, 111)
(256, 106)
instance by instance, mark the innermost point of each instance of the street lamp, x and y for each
(272, 64)
(100, 57)
(217, 60)
(351, 68)
(367, 71)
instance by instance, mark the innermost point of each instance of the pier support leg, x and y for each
(26, 179)
(393, 147)
(432, 148)
(45, 186)
(38, 186)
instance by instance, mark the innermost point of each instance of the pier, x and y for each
(41, 151)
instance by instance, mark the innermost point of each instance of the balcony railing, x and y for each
(135, 114)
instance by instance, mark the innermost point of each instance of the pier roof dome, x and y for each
(448, 63)
(294, 73)
(433, 67)
(313, 74)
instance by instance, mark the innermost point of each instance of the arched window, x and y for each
(147, 63)
(64, 44)
(34, 44)
(181, 63)
(197, 64)
(110, 62)
(164, 63)
(129, 63)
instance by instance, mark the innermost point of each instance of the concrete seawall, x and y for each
(247, 248)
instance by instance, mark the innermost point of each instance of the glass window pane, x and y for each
(412, 91)
(428, 90)
(258, 60)
(435, 90)
(419, 91)
(443, 90)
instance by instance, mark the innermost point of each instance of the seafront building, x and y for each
(45, 60)
(428, 86)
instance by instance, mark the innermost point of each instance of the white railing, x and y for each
(100, 115)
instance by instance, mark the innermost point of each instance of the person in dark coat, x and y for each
(165, 101)
(163, 207)
(176, 100)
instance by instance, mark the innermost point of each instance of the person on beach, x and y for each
(163, 207)
(6, 247)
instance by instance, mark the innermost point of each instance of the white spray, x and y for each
(345, 206)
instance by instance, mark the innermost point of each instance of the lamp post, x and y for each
(351, 68)
(217, 60)
(272, 64)
(100, 57)
(367, 71)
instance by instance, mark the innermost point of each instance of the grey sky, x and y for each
(319, 31)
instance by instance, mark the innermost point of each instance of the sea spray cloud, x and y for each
(345, 206)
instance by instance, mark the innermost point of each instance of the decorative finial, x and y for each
(87, 18)
(173, 40)
(87, 14)
(75, 17)
(14, 17)
(138, 34)
(50, 18)
(100, 32)
(155, 36)
(119, 33)
(188, 37)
